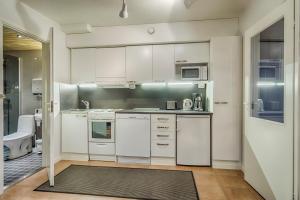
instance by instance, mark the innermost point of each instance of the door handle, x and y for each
(2, 96)
(221, 102)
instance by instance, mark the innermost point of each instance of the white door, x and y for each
(139, 63)
(193, 140)
(268, 104)
(1, 110)
(48, 106)
(163, 63)
(192, 53)
(83, 65)
(110, 63)
(226, 73)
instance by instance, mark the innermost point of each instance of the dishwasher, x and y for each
(133, 135)
(193, 140)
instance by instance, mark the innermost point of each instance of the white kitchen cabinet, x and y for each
(193, 140)
(163, 63)
(139, 63)
(226, 68)
(83, 65)
(192, 53)
(110, 63)
(133, 135)
(163, 131)
(74, 133)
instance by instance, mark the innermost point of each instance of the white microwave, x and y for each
(194, 73)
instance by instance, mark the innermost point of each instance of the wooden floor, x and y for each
(212, 184)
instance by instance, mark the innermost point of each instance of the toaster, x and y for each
(171, 105)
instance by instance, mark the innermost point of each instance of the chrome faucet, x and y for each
(86, 103)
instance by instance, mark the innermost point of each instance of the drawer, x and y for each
(102, 148)
(157, 135)
(163, 127)
(164, 148)
(163, 119)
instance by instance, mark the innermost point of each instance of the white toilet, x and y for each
(20, 143)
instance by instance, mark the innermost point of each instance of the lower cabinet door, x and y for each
(102, 148)
(163, 148)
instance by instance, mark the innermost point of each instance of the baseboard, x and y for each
(133, 160)
(221, 164)
(163, 161)
(103, 158)
(74, 156)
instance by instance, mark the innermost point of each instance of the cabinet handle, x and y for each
(162, 135)
(160, 118)
(181, 61)
(80, 115)
(164, 127)
(101, 144)
(221, 102)
(161, 144)
(132, 117)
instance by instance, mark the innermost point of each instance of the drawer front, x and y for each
(163, 127)
(159, 135)
(170, 119)
(164, 148)
(102, 148)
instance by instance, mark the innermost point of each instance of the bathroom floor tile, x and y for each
(17, 168)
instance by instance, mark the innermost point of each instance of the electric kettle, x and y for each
(187, 104)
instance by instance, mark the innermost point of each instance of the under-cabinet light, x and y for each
(153, 84)
(269, 84)
(180, 84)
(88, 85)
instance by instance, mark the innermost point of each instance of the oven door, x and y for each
(101, 131)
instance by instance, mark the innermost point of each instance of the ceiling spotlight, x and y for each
(19, 36)
(123, 13)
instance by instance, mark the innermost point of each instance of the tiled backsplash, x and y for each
(141, 97)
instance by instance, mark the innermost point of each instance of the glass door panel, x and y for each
(101, 130)
(267, 73)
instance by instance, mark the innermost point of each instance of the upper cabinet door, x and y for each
(83, 65)
(192, 53)
(139, 63)
(110, 63)
(163, 63)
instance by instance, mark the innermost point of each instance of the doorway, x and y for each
(269, 104)
(22, 106)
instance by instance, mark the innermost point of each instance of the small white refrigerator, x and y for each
(193, 140)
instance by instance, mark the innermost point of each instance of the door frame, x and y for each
(47, 136)
(283, 11)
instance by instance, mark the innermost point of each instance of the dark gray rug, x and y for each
(125, 183)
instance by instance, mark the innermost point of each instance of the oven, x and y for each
(101, 130)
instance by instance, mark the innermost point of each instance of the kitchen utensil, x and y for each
(187, 104)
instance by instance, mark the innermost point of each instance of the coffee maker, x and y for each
(197, 102)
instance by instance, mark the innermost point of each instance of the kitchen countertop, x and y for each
(144, 111)
(178, 112)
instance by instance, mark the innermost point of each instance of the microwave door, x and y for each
(190, 73)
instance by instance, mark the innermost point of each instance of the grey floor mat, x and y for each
(125, 183)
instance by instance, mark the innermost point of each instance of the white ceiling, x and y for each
(105, 12)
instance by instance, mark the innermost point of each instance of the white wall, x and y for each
(193, 31)
(17, 15)
(255, 10)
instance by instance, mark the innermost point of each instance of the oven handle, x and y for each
(102, 120)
